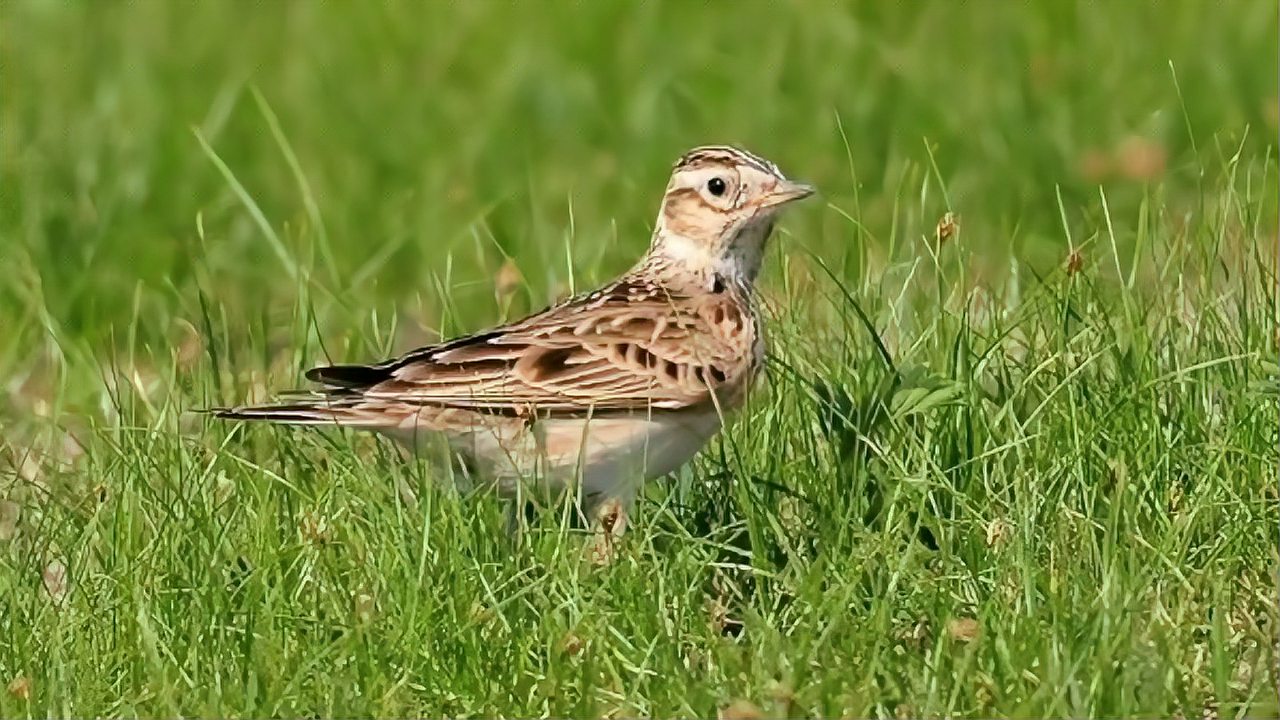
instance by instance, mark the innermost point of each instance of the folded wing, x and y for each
(629, 346)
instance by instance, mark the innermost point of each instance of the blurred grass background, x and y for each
(189, 192)
(420, 126)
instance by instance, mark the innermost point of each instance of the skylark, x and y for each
(606, 390)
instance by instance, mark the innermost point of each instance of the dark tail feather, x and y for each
(321, 411)
(348, 376)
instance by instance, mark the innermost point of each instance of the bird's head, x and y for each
(719, 210)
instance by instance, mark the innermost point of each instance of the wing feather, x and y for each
(630, 346)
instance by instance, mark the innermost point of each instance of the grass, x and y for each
(1025, 471)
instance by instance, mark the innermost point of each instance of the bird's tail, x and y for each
(316, 409)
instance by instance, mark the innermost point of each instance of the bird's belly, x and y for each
(611, 456)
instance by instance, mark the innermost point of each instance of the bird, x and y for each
(604, 391)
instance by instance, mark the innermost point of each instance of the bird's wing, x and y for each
(632, 345)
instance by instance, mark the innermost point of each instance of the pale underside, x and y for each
(604, 457)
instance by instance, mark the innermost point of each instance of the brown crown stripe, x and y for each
(726, 154)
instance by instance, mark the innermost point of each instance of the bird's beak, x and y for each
(785, 192)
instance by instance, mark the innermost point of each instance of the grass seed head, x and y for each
(189, 346)
(948, 227)
(1075, 262)
(964, 630)
(364, 607)
(314, 528)
(741, 709)
(1141, 159)
(56, 585)
(507, 280)
(998, 531)
(572, 644)
(20, 687)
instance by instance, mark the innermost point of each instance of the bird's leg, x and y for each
(520, 514)
(609, 518)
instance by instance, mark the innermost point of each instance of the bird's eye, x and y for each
(716, 186)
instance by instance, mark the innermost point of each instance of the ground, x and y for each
(1017, 451)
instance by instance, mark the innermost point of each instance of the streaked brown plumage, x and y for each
(609, 388)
